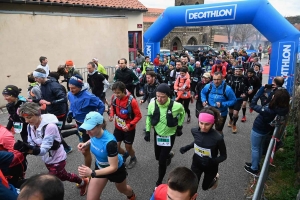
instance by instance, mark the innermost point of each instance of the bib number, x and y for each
(195, 79)
(164, 141)
(120, 122)
(202, 151)
(18, 126)
(59, 125)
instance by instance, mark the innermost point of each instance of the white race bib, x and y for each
(164, 141)
(195, 79)
(202, 151)
(18, 126)
(120, 122)
(59, 125)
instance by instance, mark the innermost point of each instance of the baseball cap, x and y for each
(206, 75)
(91, 120)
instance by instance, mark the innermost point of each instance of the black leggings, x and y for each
(185, 103)
(161, 155)
(210, 173)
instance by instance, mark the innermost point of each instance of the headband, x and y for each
(208, 118)
(39, 74)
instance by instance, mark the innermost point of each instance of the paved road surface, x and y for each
(233, 178)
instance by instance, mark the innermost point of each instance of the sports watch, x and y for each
(93, 174)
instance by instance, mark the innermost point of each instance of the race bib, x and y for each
(195, 79)
(59, 125)
(120, 122)
(202, 151)
(164, 141)
(18, 126)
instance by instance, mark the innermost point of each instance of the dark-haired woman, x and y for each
(14, 101)
(209, 148)
(279, 105)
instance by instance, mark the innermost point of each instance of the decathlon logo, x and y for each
(209, 14)
(285, 61)
(149, 49)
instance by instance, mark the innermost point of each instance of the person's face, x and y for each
(44, 62)
(250, 74)
(122, 64)
(256, 68)
(172, 57)
(197, 64)
(204, 126)
(69, 67)
(176, 195)
(211, 62)
(119, 94)
(9, 98)
(161, 98)
(192, 61)
(32, 119)
(238, 72)
(182, 74)
(205, 80)
(147, 60)
(217, 80)
(138, 53)
(178, 65)
(185, 60)
(150, 79)
(90, 68)
(157, 56)
(93, 132)
(39, 80)
(73, 89)
(171, 67)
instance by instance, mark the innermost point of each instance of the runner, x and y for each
(209, 147)
(166, 117)
(44, 140)
(128, 114)
(108, 165)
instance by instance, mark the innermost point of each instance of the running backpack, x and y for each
(224, 91)
(130, 113)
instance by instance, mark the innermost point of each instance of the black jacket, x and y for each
(126, 76)
(150, 91)
(239, 84)
(53, 92)
(266, 115)
(255, 83)
(96, 83)
(13, 116)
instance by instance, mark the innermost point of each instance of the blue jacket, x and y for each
(82, 103)
(216, 95)
(266, 115)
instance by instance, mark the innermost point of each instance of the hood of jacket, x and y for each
(47, 119)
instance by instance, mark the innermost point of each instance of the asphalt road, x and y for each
(233, 179)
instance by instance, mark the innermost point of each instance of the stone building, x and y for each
(190, 35)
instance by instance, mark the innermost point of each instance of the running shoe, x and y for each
(132, 163)
(250, 110)
(249, 164)
(243, 119)
(234, 129)
(83, 188)
(216, 179)
(68, 149)
(79, 134)
(133, 197)
(251, 171)
(171, 155)
(230, 123)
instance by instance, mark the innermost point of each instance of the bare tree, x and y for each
(242, 33)
(258, 36)
(229, 29)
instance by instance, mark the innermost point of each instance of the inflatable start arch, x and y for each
(285, 38)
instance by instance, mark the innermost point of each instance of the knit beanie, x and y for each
(11, 90)
(69, 63)
(164, 88)
(172, 63)
(76, 80)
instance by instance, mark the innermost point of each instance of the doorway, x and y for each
(134, 43)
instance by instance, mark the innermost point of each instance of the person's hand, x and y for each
(111, 118)
(250, 91)
(243, 95)
(196, 97)
(179, 131)
(125, 128)
(42, 101)
(218, 104)
(141, 101)
(183, 150)
(147, 136)
(204, 103)
(84, 171)
(69, 118)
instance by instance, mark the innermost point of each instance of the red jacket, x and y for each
(122, 103)
(156, 62)
(215, 69)
(7, 142)
(161, 192)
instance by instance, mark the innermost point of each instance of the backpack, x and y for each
(224, 91)
(130, 114)
(55, 144)
(241, 85)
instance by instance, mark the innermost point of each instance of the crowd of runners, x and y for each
(216, 86)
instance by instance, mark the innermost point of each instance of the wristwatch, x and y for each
(93, 174)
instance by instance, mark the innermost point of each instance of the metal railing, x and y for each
(280, 124)
(109, 69)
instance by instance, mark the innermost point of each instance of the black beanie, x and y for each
(164, 88)
(11, 90)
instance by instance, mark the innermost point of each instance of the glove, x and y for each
(147, 136)
(69, 118)
(179, 131)
(183, 150)
(206, 161)
(22, 146)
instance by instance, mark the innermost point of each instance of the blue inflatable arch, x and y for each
(285, 38)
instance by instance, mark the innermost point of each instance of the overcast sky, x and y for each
(285, 7)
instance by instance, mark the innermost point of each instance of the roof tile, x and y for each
(116, 4)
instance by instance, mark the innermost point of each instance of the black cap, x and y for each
(250, 70)
(164, 88)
